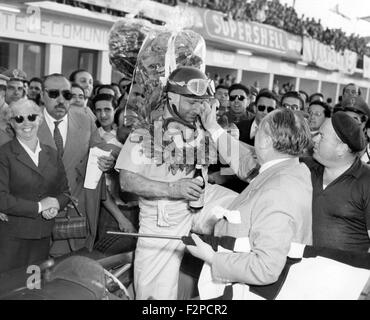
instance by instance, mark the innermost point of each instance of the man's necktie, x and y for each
(253, 173)
(58, 138)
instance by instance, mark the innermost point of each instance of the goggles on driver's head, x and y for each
(197, 87)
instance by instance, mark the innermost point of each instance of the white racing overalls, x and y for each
(157, 261)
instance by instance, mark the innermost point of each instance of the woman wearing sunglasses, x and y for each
(33, 185)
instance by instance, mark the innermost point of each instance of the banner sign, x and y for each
(259, 37)
(50, 28)
(366, 67)
(325, 57)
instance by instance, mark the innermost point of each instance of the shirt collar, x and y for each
(37, 150)
(354, 170)
(254, 128)
(314, 133)
(102, 131)
(271, 163)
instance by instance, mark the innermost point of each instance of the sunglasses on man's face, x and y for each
(30, 117)
(240, 98)
(55, 93)
(262, 108)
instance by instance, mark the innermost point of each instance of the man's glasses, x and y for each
(30, 117)
(55, 93)
(262, 108)
(240, 98)
(316, 114)
(293, 107)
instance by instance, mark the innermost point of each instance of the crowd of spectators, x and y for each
(62, 117)
(285, 17)
(229, 80)
(111, 11)
(270, 12)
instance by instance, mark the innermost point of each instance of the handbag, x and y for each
(70, 227)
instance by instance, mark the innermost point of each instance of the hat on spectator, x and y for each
(304, 95)
(319, 97)
(15, 74)
(356, 104)
(349, 131)
(85, 273)
(3, 79)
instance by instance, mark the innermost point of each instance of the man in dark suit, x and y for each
(72, 132)
(266, 102)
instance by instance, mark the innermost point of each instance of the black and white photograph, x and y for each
(181, 154)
